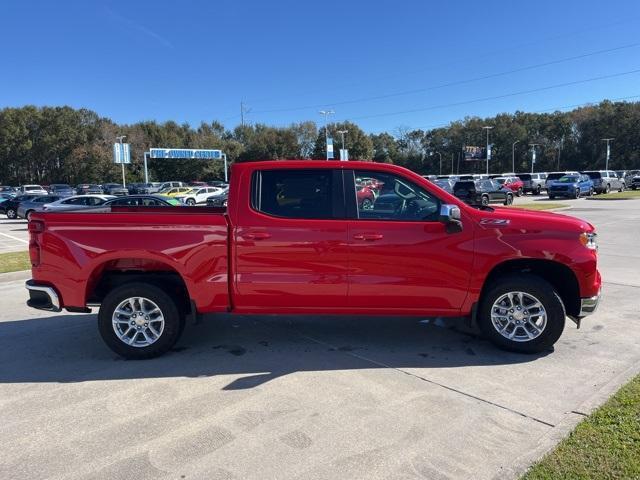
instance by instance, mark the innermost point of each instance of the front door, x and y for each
(401, 256)
(291, 248)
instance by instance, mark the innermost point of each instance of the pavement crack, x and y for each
(622, 284)
(432, 382)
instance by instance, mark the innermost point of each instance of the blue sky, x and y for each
(193, 61)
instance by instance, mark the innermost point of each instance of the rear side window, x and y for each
(304, 193)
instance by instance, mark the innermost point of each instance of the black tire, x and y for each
(484, 201)
(607, 189)
(621, 189)
(367, 204)
(590, 192)
(191, 202)
(551, 197)
(538, 190)
(173, 321)
(519, 192)
(538, 288)
(577, 193)
(509, 200)
(12, 213)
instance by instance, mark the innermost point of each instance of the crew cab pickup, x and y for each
(295, 239)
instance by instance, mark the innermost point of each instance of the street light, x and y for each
(119, 139)
(488, 151)
(513, 156)
(342, 134)
(606, 165)
(533, 154)
(326, 114)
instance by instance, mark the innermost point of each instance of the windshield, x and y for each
(568, 179)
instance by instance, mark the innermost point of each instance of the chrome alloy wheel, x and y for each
(518, 316)
(138, 322)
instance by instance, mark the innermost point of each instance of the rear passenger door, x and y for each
(291, 251)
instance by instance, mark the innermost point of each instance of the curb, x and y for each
(571, 420)
(15, 276)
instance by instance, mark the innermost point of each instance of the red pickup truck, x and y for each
(295, 240)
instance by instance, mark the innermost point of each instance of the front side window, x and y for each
(303, 193)
(384, 196)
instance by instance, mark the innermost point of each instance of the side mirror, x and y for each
(450, 216)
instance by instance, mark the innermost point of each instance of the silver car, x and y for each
(605, 181)
(35, 204)
(76, 202)
(533, 182)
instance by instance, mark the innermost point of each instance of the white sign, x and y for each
(344, 154)
(121, 153)
(185, 153)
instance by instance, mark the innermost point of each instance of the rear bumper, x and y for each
(42, 297)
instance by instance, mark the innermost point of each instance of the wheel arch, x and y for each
(557, 274)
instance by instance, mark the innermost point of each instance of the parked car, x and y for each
(142, 201)
(218, 183)
(10, 207)
(220, 199)
(197, 195)
(174, 191)
(8, 190)
(627, 176)
(35, 204)
(364, 196)
(446, 185)
(512, 183)
(533, 182)
(77, 202)
(482, 192)
(33, 189)
(571, 186)
(61, 189)
(551, 176)
(115, 189)
(296, 242)
(89, 188)
(198, 183)
(3, 198)
(169, 185)
(605, 180)
(635, 182)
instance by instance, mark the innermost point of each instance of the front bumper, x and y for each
(589, 305)
(42, 297)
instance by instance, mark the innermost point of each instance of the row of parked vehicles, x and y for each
(501, 188)
(21, 202)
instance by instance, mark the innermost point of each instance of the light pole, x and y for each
(533, 154)
(606, 165)
(342, 134)
(119, 139)
(326, 114)
(488, 151)
(513, 156)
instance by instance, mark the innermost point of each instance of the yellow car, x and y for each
(175, 191)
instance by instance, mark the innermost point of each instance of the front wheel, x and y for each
(139, 320)
(607, 189)
(519, 192)
(367, 204)
(11, 213)
(577, 193)
(522, 313)
(621, 189)
(538, 190)
(191, 202)
(590, 192)
(484, 200)
(551, 197)
(509, 200)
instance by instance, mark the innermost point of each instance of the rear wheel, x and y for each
(577, 193)
(485, 200)
(191, 202)
(607, 189)
(140, 320)
(522, 313)
(551, 197)
(590, 192)
(538, 190)
(11, 213)
(621, 189)
(519, 192)
(508, 200)
(367, 204)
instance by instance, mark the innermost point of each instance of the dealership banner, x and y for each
(474, 154)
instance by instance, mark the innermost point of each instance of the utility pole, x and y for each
(533, 154)
(326, 114)
(487, 128)
(513, 156)
(606, 165)
(243, 111)
(119, 139)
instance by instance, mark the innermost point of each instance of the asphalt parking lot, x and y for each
(288, 397)
(13, 235)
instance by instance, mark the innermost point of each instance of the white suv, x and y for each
(197, 195)
(33, 190)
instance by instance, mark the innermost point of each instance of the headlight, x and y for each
(589, 240)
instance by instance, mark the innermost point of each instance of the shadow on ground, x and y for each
(67, 348)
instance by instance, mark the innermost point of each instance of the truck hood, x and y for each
(529, 220)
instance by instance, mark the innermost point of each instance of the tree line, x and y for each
(66, 145)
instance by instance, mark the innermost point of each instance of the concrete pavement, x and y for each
(278, 397)
(14, 236)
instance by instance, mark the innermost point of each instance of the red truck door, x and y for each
(291, 249)
(401, 257)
